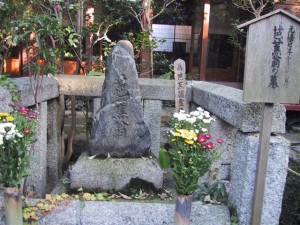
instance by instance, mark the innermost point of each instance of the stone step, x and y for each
(129, 213)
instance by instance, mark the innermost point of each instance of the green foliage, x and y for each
(191, 152)
(16, 132)
(72, 36)
(40, 34)
(214, 193)
(164, 158)
(234, 220)
(290, 214)
(141, 40)
(10, 10)
(163, 66)
(7, 84)
(94, 73)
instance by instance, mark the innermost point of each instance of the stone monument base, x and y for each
(114, 174)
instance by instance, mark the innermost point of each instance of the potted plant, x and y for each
(192, 152)
(16, 132)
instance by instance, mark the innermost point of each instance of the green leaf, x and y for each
(82, 204)
(164, 158)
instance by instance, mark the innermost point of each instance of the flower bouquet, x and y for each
(192, 152)
(16, 132)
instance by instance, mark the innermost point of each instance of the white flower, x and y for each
(206, 114)
(195, 113)
(180, 116)
(181, 111)
(197, 131)
(19, 135)
(204, 129)
(200, 117)
(8, 130)
(200, 109)
(1, 139)
(3, 127)
(207, 120)
(191, 120)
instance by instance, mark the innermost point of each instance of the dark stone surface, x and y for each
(119, 128)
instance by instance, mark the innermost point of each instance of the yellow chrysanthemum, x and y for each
(3, 114)
(190, 135)
(10, 119)
(190, 142)
(176, 134)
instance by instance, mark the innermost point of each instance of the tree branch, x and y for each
(166, 4)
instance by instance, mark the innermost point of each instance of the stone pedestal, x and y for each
(114, 174)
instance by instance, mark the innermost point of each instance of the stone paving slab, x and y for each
(129, 213)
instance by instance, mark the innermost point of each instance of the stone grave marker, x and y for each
(118, 128)
(119, 133)
(181, 102)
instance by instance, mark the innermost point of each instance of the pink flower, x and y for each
(209, 145)
(202, 138)
(208, 136)
(32, 115)
(220, 140)
(24, 110)
(26, 131)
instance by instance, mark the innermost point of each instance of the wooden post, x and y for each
(262, 163)
(204, 45)
(191, 55)
(180, 86)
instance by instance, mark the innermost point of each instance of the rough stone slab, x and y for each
(152, 112)
(220, 129)
(37, 181)
(114, 174)
(227, 103)
(80, 85)
(243, 177)
(128, 213)
(155, 89)
(6, 100)
(158, 89)
(96, 105)
(47, 89)
(54, 172)
(67, 213)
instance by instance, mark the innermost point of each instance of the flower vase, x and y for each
(13, 206)
(183, 209)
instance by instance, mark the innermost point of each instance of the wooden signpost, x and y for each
(272, 73)
(181, 102)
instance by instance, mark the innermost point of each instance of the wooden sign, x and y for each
(272, 65)
(180, 86)
(272, 70)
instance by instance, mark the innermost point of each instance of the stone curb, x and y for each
(129, 213)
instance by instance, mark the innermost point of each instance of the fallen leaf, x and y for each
(92, 157)
(125, 196)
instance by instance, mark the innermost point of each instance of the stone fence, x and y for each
(236, 121)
